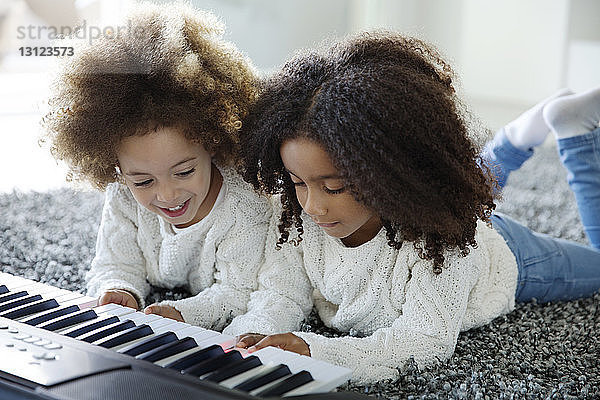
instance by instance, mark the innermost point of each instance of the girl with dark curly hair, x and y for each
(368, 150)
(152, 115)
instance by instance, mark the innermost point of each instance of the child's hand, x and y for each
(285, 341)
(118, 296)
(164, 311)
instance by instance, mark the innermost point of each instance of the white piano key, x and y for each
(140, 318)
(236, 380)
(268, 385)
(168, 360)
(113, 309)
(225, 341)
(79, 325)
(203, 337)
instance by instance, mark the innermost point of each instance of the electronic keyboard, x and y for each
(57, 344)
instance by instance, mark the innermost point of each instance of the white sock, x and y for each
(574, 115)
(529, 129)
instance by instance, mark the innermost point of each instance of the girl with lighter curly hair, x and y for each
(152, 115)
(386, 220)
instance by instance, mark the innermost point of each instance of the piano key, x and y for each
(163, 326)
(264, 378)
(114, 309)
(12, 295)
(286, 385)
(125, 336)
(30, 308)
(195, 357)
(214, 338)
(9, 305)
(3, 289)
(225, 341)
(199, 334)
(106, 331)
(69, 320)
(38, 319)
(86, 327)
(148, 344)
(168, 349)
(244, 376)
(326, 377)
(139, 316)
(195, 339)
(234, 369)
(212, 364)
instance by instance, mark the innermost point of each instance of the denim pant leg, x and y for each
(581, 157)
(501, 157)
(550, 269)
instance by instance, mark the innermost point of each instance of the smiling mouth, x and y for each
(177, 210)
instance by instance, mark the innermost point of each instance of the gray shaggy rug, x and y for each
(536, 352)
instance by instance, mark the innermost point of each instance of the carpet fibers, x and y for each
(539, 351)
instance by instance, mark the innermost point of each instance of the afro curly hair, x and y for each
(170, 67)
(384, 108)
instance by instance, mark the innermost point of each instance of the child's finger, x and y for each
(164, 311)
(247, 339)
(271, 340)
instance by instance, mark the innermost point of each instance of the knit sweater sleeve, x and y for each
(238, 256)
(119, 262)
(284, 298)
(427, 330)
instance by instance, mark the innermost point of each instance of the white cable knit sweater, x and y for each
(391, 303)
(216, 258)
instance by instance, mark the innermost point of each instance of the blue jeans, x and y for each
(553, 269)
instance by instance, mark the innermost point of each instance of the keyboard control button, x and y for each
(10, 345)
(49, 356)
(42, 342)
(13, 330)
(21, 336)
(3, 326)
(52, 346)
(21, 348)
(31, 339)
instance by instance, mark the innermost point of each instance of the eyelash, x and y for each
(142, 184)
(336, 191)
(186, 173)
(325, 188)
(149, 181)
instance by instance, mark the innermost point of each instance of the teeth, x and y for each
(179, 207)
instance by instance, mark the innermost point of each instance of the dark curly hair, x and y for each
(384, 108)
(171, 67)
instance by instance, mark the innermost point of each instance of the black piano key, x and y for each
(92, 326)
(19, 302)
(12, 296)
(69, 320)
(234, 369)
(3, 289)
(137, 332)
(262, 379)
(40, 319)
(213, 364)
(196, 357)
(30, 308)
(289, 383)
(106, 331)
(149, 344)
(168, 350)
